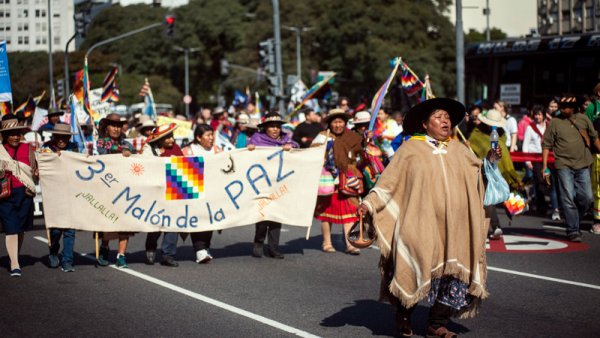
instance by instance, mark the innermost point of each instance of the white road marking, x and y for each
(202, 298)
(551, 279)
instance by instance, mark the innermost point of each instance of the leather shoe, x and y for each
(150, 257)
(257, 251)
(169, 261)
(275, 254)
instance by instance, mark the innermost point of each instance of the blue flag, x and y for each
(78, 137)
(5, 90)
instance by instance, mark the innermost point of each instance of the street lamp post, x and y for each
(460, 54)
(298, 31)
(50, 63)
(187, 52)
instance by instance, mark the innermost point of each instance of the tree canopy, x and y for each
(356, 39)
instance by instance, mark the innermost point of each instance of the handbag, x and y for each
(326, 183)
(497, 190)
(5, 185)
(351, 184)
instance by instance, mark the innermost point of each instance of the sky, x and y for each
(514, 17)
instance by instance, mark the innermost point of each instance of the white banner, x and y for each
(182, 194)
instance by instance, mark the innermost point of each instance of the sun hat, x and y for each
(243, 119)
(337, 113)
(413, 121)
(145, 124)
(361, 117)
(492, 118)
(11, 122)
(161, 132)
(253, 124)
(218, 111)
(271, 118)
(61, 129)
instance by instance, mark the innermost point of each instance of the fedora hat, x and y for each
(218, 111)
(413, 121)
(61, 129)
(161, 132)
(11, 122)
(55, 111)
(146, 124)
(113, 119)
(361, 117)
(271, 118)
(492, 118)
(335, 113)
(567, 101)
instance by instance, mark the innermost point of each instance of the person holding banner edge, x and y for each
(58, 143)
(18, 170)
(111, 141)
(270, 135)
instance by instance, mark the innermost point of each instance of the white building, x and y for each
(24, 24)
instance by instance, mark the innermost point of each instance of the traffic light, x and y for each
(224, 67)
(81, 22)
(170, 25)
(60, 88)
(266, 54)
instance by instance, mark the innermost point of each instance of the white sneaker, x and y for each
(496, 234)
(556, 216)
(203, 256)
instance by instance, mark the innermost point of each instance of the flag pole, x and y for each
(464, 139)
(97, 246)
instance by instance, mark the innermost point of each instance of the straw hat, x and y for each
(335, 113)
(61, 129)
(413, 121)
(161, 132)
(271, 118)
(361, 117)
(11, 122)
(492, 118)
(218, 111)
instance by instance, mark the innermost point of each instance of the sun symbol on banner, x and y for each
(137, 169)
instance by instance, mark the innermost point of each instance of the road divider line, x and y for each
(551, 279)
(203, 298)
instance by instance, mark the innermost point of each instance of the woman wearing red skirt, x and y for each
(343, 147)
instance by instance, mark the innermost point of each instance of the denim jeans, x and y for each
(169, 243)
(575, 188)
(68, 243)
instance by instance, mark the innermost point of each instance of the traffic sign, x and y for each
(187, 99)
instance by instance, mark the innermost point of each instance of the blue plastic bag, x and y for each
(497, 190)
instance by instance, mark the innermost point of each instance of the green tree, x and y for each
(476, 36)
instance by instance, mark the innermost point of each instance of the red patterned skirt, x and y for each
(337, 209)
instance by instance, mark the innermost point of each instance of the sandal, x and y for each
(441, 332)
(353, 251)
(328, 248)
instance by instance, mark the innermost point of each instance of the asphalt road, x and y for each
(309, 293)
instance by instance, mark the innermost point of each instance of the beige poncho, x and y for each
(427, 209)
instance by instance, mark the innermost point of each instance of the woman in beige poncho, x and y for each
(427, 210)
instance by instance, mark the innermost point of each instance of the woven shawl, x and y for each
(428, 213)
(20, 170)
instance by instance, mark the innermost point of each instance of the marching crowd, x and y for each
(408, 205)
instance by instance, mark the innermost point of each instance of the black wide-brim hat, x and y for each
(414, 118)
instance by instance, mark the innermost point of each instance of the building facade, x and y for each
(563, 17)
(24, 24)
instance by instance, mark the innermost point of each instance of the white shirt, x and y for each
(509, 129)
(532, 142)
